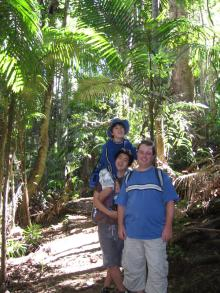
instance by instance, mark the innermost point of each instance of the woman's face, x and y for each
(122, 162)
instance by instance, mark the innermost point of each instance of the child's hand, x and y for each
(117, 187)
(113, 215)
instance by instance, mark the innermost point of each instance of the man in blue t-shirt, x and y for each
(145, 216)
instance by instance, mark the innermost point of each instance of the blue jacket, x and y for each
(107, 159)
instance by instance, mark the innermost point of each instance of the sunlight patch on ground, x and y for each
(84, 252)
(68, 260)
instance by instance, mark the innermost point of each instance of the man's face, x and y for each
(118, 131)
(145, 156)
(122, 162)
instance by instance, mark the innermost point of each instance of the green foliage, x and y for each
(20, 25)
(16, 248)
(174, 250)
(33, 234)
(96, 87)
(55, 185)
(32, 237)
(182, 203)
(181, 133)
(178, 139)
(213, 125)
(87, 136)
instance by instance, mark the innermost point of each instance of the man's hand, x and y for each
(167, 233)
(167, 230)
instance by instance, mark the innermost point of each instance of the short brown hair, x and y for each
(148, 142)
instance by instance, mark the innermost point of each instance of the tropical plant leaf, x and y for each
(19, 35)
(93, 87)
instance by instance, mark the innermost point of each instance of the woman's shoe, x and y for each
(106, 290)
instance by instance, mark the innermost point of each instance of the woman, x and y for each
(111, 245)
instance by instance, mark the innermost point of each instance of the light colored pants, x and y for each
(138, 254)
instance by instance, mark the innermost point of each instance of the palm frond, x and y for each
(19, 37)
(108, 16)
(11, 72)
(197, 184)
(188, 106)
(69, 47)
(181, 31)
(93, 87)
(24, 11)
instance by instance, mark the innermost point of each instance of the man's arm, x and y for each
(121, 227)
(168, 230)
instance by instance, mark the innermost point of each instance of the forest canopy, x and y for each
(68, 67)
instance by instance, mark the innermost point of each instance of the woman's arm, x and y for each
(98, 199)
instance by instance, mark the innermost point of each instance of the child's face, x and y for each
(118, 132)
(122, 162)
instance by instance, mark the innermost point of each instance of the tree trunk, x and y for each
(160, 144)
(155, 8)
(39, 167)
(66, 9)
(182, 82)
(23, 212)
(151, 103)
(5, 194)
(12, 199)
(3, 139)
(152, 119)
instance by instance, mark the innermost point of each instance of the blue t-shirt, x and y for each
(145, 203)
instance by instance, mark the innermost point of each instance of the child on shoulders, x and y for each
(116, 132)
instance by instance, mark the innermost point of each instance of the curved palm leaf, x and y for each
(92, 87)
(19, 35)
(11, 72)
(66, 46)
(111, 17)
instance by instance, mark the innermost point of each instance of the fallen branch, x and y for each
(204, 229)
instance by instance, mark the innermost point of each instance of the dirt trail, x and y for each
(69, 260)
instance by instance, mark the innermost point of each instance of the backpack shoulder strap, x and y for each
(127, 176)
(159, 174)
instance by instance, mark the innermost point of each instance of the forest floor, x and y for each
(69, 260)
